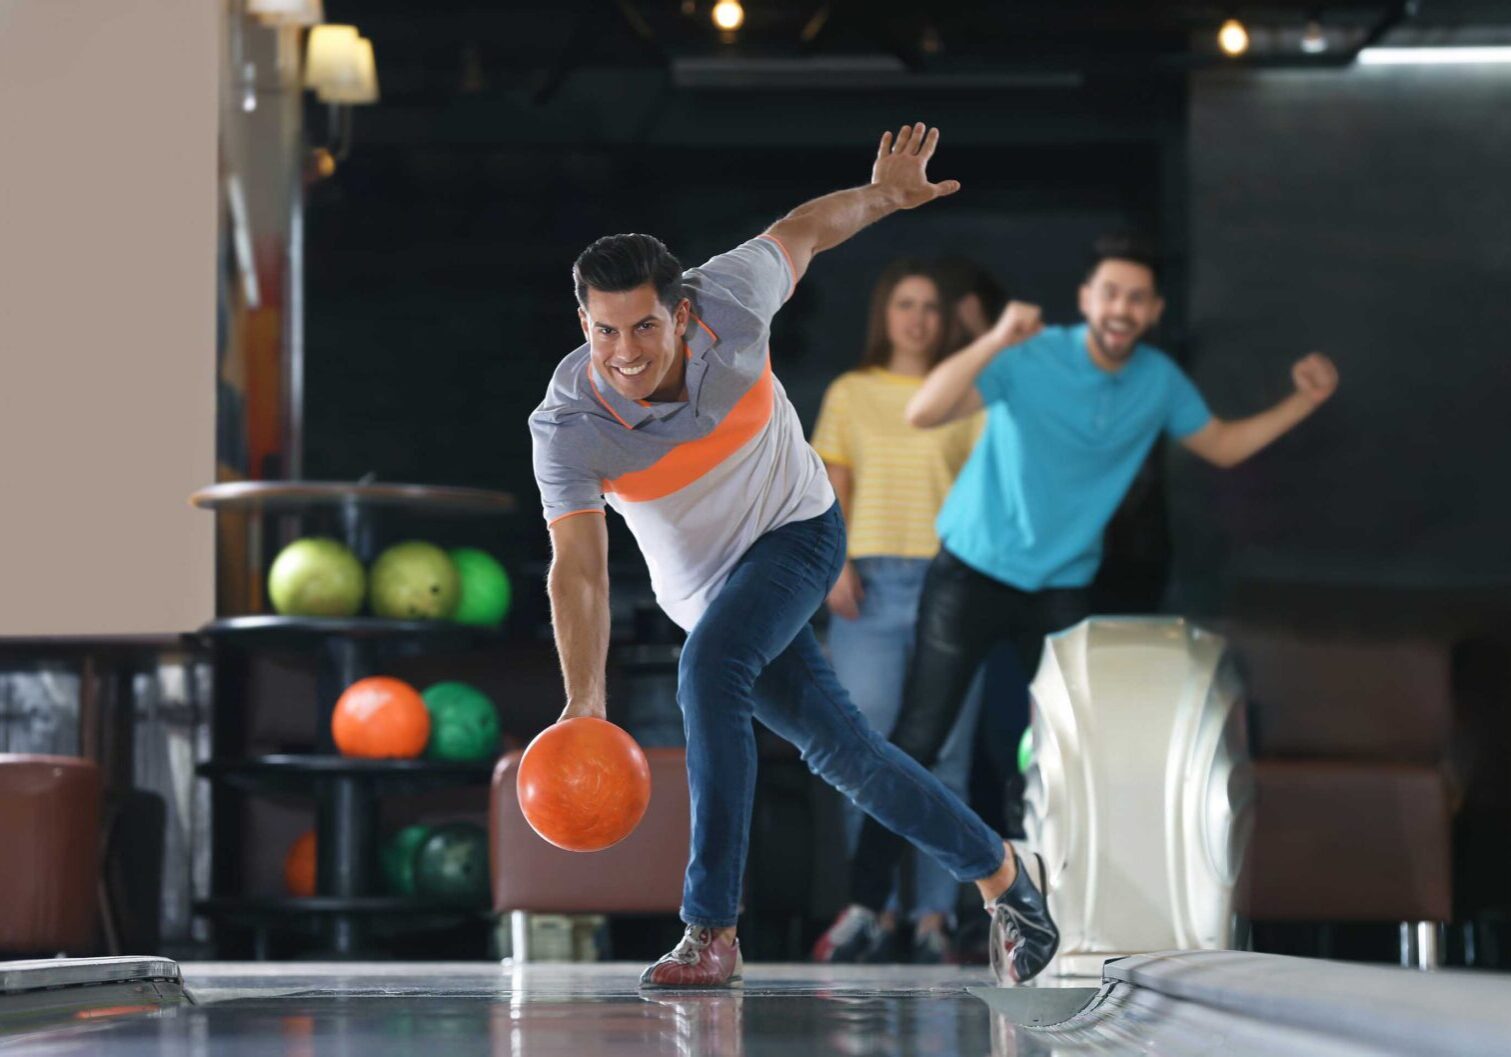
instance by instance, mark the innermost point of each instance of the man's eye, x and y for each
(647, 325)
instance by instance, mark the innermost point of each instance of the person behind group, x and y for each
(972, 297)
(1071, 413)
(671, 413)
(891, 480)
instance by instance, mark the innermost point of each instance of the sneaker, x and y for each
(700, 960)
(855, 936)
(1024, 937)
(932, 947)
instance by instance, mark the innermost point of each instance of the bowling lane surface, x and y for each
(1171, 1005)
(461, 1010)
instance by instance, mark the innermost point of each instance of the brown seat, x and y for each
(1348, 699)
(50, 824)
(1353, 815)
(1344, 841)
(642, 874)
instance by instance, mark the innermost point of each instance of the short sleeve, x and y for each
(1186, 411)
(758, 274)
(832, 430)
(565, 487)
(994, 383)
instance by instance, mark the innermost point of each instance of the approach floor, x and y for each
(470, 1010)
(475, 1009)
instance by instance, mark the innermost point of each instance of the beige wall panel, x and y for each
(107, 324)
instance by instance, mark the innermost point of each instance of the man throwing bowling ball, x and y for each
(672, 415)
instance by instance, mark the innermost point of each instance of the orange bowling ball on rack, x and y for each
(381, 718)
(583, 784)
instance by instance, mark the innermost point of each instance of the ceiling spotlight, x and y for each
(729, 15)
(1233, 38)
(1314, 41)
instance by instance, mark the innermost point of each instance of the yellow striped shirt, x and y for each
(899, 475)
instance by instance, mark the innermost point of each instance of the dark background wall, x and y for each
(1360, 211)
(439, 255)
(1366, 213)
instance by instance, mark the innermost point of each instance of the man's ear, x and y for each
(582, 317)
(683, 316)
(1159, 310)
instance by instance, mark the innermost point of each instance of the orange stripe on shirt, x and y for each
(575, 513)
(689, 461)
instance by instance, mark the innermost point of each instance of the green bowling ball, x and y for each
(1026, 750)
(398, 857)
(451, 865)
(316, 577)
(486, 592)
(463, 723)
(414, 581)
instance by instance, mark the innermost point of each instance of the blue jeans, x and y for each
(754, 656)
(870, 656)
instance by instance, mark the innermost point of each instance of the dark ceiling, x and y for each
(469, 47)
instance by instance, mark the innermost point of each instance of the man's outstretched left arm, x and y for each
(1228, 443)
(899, 180)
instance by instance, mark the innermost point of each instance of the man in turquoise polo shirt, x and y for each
(1071, 412)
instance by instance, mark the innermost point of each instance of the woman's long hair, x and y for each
(878, 348)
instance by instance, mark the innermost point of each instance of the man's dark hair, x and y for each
(1125, 246)
(616, 263)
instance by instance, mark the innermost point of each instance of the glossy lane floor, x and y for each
(378, 1010)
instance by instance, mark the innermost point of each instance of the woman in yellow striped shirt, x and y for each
(891, 480)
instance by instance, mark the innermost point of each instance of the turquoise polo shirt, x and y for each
(1063, 442)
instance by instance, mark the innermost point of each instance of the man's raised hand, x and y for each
(1019, 322)
(902, 163)
(1315, 378)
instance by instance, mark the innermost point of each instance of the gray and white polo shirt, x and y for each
(699, 481)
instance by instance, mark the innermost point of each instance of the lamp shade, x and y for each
(330, 48)
(287, 12)
(355, 81)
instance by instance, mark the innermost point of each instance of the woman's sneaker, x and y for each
(702, 959)
(855, 936)
(1024, 937)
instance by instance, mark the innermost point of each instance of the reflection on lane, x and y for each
(558, 1013)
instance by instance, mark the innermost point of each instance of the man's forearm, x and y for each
(951, 382)
(823, 223)
(580, 619)
(1244, 437)
(899, 180)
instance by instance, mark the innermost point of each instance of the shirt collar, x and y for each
(696, 342)
(1086, 366)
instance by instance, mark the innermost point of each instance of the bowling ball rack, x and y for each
(348, 916)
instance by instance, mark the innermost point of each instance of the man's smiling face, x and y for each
(636, 342)
(1120, 303)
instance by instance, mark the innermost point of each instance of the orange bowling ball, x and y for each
(583, 784)
(381, 718)
(299, 866)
